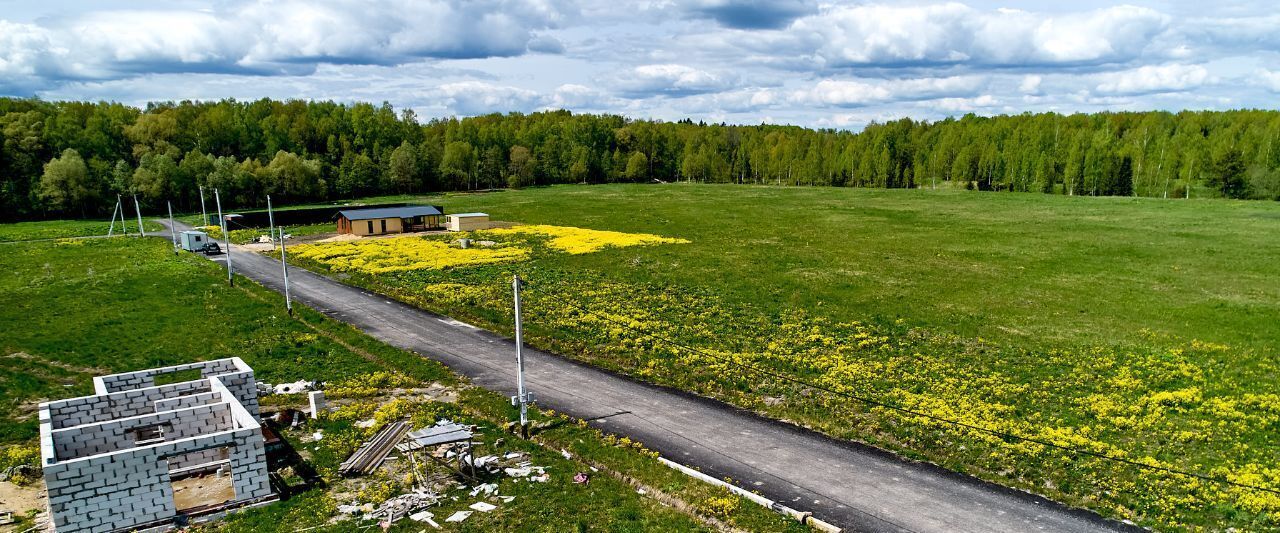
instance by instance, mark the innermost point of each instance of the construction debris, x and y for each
(486, 488)
(409, 505)
(526, 470)
(458, 516)
(444, 432)
(372, 453)
(301, 385)
(316, 399)
(483, 507)
(425, 516)
(581, 478)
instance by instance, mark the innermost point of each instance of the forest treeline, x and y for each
(72, 158)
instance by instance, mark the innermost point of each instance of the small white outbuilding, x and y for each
(194, 241)
(467, 221)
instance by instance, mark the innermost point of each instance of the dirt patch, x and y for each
(22, 499)
(65, 366)
(200, 491)
(341, 237)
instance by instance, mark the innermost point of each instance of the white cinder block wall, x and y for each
(99, 479)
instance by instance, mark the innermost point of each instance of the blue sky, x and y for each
(838, 64)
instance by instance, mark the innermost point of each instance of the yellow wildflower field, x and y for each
(575, 241)
(400, 254)
(1150, 407)
(418, 252)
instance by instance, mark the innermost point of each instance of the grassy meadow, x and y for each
(1138, 329)
(79, 308)
(61, 229)
(1026, 268)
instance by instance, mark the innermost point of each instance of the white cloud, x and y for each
(800, 61)
(266, 37)
(671, 79)
(1268, 79)
(953, 33)
(1030, 84)
(24, 51)
(961, 105)
(857, 93)
(478, 98)
(734, 101)
(1154, 79)
(573, 96)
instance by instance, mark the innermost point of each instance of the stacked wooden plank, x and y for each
(373, 452)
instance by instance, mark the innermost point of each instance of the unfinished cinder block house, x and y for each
(137, 455)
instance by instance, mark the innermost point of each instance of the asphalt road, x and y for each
(856, 487)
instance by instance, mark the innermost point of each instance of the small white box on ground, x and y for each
(317, 402)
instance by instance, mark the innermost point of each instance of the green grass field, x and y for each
(59, 229)
(75, 309)
(1140, 329)
(1031, 269)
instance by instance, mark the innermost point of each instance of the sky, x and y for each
(816, 64)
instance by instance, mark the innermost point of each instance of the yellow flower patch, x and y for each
(575, 241)
(398, 254)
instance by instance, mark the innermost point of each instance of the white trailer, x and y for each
(194, 241)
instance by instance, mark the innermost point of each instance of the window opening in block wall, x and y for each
(149, 434)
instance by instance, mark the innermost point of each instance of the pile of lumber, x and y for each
(372, 453)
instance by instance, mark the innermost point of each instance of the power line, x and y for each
(878, 403)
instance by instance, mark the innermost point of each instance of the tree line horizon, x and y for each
(71, 158)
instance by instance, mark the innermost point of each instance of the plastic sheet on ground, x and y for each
(458, 516)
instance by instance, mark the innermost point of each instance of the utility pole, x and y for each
(203, 216)
(521, 398)
(124, 228)
(137, 208)
(172, 232)
(271, 220)
(112, 228)
(284, 266)
(226, 236)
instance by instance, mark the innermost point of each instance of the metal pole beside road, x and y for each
(284, 266)
(137, 208)
(271, 220)
(112, 229)
(172, 232)
(226, 235)
(522, 398)
(203, 216)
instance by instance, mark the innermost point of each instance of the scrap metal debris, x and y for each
(444, 432)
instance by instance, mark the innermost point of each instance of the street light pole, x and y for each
(522, 398)
(284, 266)
(203, 215)
(226, 236)
(172, 232)
(137, 208)
(271, 220)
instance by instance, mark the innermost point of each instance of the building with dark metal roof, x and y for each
(390, 220)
